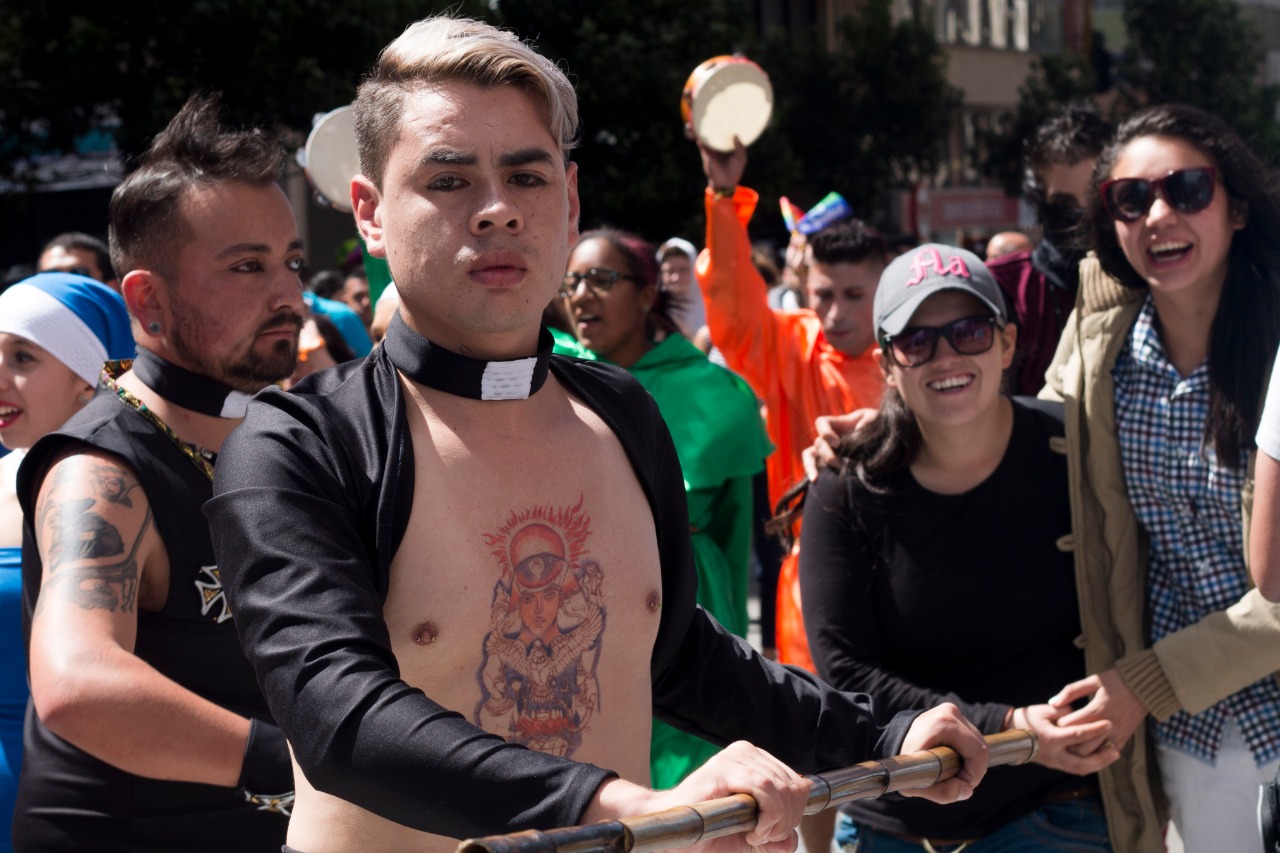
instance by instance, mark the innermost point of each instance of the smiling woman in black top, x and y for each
(950, 518)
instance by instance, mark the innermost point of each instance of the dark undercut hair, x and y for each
(849, 242)
(196, 149)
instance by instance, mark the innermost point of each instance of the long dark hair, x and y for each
(1246, 328)
(871, 455)
(642, 262)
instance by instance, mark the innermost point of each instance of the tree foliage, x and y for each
(1200, 52)
(1204, 53)
(1054, 82)
(69, 66)
(629, 60)
(870, 115)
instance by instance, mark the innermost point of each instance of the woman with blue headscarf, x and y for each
(56, 330)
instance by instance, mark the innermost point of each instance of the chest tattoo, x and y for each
(538, 684)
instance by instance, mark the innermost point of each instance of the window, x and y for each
(1021, 25)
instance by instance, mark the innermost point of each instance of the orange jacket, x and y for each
(787, 361)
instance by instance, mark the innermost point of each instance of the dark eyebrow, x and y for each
(446, 157)
(525, 157)
(256, 248)
(521, 157)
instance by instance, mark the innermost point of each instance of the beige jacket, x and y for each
(1189, 670)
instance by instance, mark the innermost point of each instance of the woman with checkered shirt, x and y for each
(1162, 369)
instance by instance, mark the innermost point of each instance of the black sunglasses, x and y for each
(599, 281)
(916, 345)
(1185, 190)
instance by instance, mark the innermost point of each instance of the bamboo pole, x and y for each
(684, 826)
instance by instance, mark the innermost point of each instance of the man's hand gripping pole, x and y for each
(684, 826)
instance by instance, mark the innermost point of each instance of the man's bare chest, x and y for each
(526, 593)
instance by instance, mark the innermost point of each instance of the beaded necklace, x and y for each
(200, 457)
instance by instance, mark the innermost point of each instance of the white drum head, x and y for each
(332, 157)
(735, 99)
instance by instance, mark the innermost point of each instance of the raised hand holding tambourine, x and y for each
(727, 97)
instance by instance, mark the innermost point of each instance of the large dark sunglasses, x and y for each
(1185, 190)
(599, 281)
(916, 345)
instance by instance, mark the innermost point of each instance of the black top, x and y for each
(919, 598)
(67, 799)
(312, 496)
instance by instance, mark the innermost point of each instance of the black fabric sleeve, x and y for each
(266, 768)
(299, 576)
(712, 684)
(838, 566)
(722, 690)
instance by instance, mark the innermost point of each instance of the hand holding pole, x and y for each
(684, 826)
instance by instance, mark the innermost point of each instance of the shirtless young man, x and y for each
(462, 567)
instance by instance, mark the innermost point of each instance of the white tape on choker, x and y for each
(508, 380)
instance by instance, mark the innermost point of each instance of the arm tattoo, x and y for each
(79, 537)
(79, 534)
(112, 485)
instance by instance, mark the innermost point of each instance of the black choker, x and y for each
(462, 376)
(189, 390)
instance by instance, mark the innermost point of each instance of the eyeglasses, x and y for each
(916, 345)
(1185, 190)
(599, 281)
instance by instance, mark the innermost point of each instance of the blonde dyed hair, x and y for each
(452, 50)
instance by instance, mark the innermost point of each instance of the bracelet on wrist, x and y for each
(723, 192)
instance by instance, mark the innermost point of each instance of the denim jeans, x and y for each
(1074, 826)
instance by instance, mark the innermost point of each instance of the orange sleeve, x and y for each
(743, 327)
(778, 354)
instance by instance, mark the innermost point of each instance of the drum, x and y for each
(332, 158)
(724, 97)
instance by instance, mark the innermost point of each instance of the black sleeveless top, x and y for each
(67, 799)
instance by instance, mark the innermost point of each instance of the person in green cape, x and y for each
(618, 314)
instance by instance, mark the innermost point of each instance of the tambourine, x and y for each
(332, 158)
(724, 97)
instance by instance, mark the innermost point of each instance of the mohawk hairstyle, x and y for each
(145, 228)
